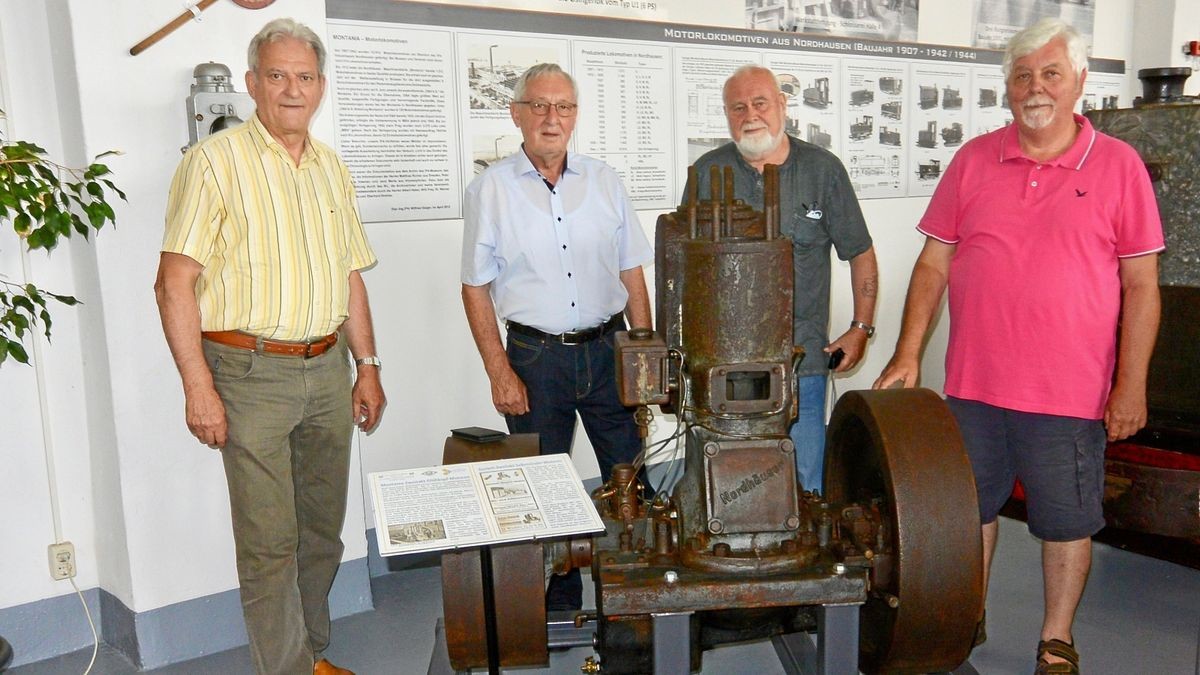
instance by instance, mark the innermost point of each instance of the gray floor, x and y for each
(1138, 616)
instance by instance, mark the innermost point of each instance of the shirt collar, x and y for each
(1073, 158)
(525, 167)
(267, 143)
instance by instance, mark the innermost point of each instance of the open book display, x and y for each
(478, 503)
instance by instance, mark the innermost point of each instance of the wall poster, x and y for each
(421, 96)
(998, 20)
(894, 20)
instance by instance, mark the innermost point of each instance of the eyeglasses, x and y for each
(760, 105)
(542, 108)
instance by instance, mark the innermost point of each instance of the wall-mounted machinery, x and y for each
(214, 104)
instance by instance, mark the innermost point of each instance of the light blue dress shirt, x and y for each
(553, 257)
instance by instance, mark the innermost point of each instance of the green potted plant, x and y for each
(44, 201)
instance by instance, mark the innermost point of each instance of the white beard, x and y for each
(1038, 117)
(755, 146)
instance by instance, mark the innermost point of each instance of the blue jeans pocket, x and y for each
(523, 351)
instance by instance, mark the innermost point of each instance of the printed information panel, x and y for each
(422, 93)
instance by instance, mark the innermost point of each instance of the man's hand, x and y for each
(1125, 412)
(853, 344)
(205, 415)
(367, 399)
(905, 371)
(508, 392)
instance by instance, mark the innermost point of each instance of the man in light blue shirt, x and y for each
(552, 244)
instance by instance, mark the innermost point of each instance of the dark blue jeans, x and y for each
(562, 381)
(565, 380)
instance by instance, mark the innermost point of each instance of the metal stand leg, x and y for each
(836, 651)
(837, 639)
(672, 643)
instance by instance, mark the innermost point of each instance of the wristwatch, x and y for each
(369, 361)
(868, 328)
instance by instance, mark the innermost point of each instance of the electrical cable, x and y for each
(91, 624)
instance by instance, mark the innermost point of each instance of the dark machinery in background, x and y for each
(987, 97)
(927, 137)
(817, 96)
(886, 566)
(952, 135)
(929, 170)
(818, 137)
(951, 99)
(862, 128)
(889, 136)
(928, 96)
(860, 97)
(891, 85)
(1153, 479)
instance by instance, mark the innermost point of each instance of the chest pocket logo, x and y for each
(812, 212)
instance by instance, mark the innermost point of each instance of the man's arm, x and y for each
(864, 285)
(175, 290)
(637, 307)
(929, 277)
(508, 391)
(367, 398)
(1125, 412)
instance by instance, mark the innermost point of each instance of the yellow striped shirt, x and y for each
(277, 241)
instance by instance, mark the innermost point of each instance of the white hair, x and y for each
(750, 69)
(1039, 35)
(542, 70)
(280, 29)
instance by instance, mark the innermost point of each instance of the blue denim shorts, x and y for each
(1060, 461)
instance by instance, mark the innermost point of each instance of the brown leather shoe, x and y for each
(324, 667)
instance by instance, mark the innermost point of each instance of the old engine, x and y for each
(886, 565)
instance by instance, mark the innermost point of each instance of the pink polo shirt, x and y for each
(1034, 288)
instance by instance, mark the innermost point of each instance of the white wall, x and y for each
(144, 502)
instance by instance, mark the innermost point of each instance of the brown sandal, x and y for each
(980, 631)
(1063, 650)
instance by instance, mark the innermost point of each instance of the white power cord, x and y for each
(91, 624)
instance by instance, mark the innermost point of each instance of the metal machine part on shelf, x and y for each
(888, 561)
(1153, 479)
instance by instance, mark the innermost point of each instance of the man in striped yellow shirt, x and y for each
(260, 296)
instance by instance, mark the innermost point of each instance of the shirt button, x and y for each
(1039, 167)
(1034, 183)
(560, 219)
(564, 247)
(572, 304)
(568, 275)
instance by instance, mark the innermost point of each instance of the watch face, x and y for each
(253, 4)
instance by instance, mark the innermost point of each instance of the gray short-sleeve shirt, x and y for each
(818, 210)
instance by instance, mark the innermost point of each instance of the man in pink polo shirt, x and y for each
(1046, 233)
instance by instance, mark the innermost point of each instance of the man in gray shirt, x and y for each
(818, 210)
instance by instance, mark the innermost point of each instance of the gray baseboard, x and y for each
(158, 637)
(47, 628)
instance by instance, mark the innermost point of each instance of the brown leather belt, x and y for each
(253, 343)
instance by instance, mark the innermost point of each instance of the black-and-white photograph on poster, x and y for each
(991, 110)
(894, 20)
(811, 85)
(998, 20)
(1103, 91)
(874, 148)
(939, 123)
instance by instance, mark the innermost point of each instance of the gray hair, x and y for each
(751, 69)
(281, 29)
(1039, 35)
(542, 70)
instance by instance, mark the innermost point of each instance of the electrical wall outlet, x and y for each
(62, 560)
